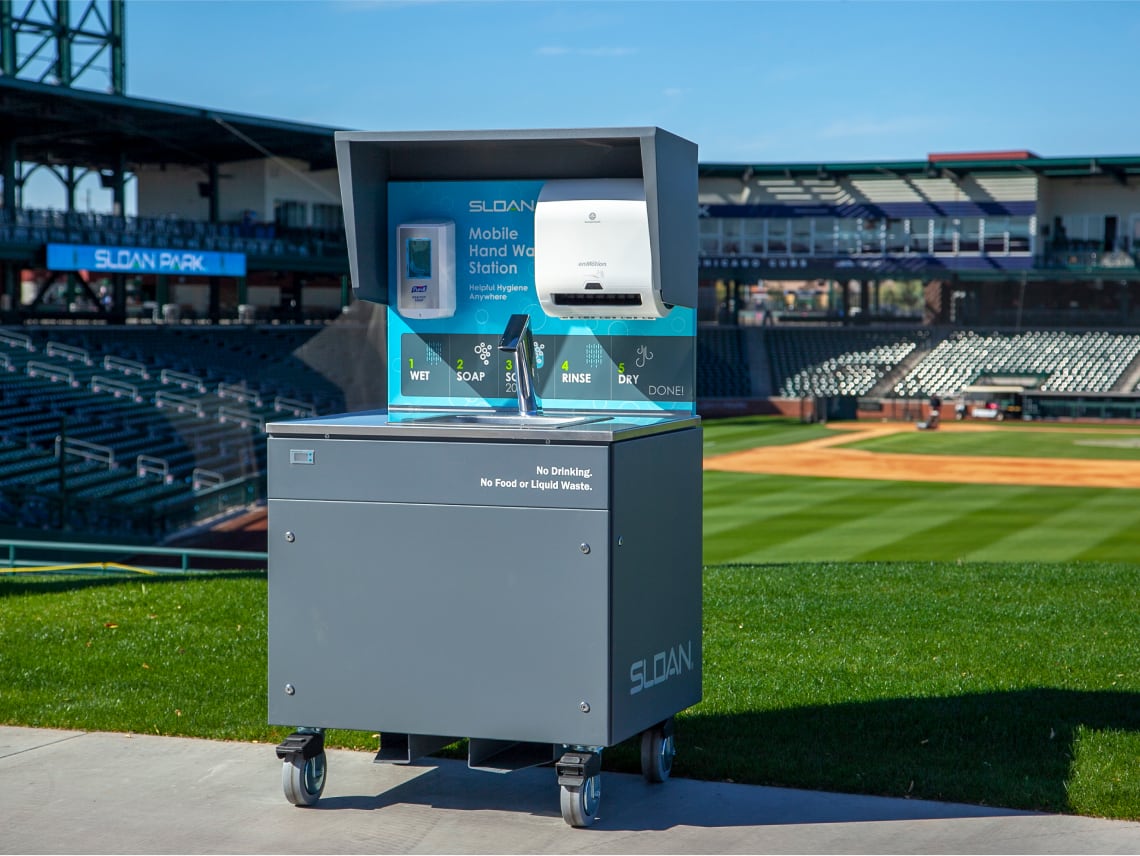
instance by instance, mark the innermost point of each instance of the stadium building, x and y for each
(176, 291)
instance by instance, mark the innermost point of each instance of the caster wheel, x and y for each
(304, 781)
(580, 805)
(658, 749)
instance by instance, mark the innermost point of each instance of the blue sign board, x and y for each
(113, 259)
(582, 363)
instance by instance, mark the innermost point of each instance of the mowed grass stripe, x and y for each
(872, 534)
(735, 500)
(1009, 442)
(1087, 523)
(979, 530)
(774, 521)
(758, 518)
(732, 435)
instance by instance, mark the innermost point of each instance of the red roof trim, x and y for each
(1018, 154)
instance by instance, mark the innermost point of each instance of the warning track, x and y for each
(821, 458)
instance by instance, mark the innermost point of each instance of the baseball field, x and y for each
(954, 613)
(776, 491)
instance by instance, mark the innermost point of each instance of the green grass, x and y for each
(1012, 685)
(758, 518)
(956, 642)
(746, 432)
(1010, 442)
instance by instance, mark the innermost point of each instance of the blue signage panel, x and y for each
(115, 259)
(582, 363)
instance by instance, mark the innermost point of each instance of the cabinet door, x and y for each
(440, 619)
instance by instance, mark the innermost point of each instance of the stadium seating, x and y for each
(1069, 362)
(181, 397)
(723, 369)
(831, 361)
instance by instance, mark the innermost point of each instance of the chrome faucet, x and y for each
(517, 340)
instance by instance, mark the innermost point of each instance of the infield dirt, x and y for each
(822, 458)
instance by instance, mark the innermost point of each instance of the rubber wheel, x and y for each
(580, 805)
(304, 781)
(657, 753)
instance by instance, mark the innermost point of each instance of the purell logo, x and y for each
(500, 206)
(647, 673)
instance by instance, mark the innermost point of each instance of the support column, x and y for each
(7, 41)
(118, 48)
(213, 183)
(242, 291)
(161, 291)
(119, 187)
(63, 43)
(298, 307)
(9, 290)
(118, 298)
(8, 155)
(345, 298)
(215, 309)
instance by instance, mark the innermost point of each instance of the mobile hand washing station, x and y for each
(511, 552)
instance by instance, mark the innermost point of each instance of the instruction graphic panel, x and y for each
(582, 363)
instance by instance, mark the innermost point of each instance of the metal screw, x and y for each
(584, 547)
(290, 689)
(584, 706)
(290, 537)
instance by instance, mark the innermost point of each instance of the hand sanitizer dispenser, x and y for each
(591, 250)
(426, 269)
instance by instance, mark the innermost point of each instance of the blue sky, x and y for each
(747, 81)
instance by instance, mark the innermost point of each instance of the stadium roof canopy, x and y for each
(51, 124)
(937, 166)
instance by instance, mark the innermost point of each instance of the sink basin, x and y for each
(504, 420)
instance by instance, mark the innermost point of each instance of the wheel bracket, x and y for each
(307, 744)
(574, 768)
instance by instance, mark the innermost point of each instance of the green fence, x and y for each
(64, 557)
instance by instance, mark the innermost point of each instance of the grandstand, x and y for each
(143, 431)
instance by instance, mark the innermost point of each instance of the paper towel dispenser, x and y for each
(592, 256)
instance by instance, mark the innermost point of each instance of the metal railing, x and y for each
(202, 478)
(149, 465)
(241, 417)
(117, 388)
(71, 353)
(181, 403)
(281, 404)
(35, 368)
(48, 554)
(17, 340)
(182, 380)
(240, 393)
(87, 451)
(124, 366)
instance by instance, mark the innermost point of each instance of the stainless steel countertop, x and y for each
(582, 427)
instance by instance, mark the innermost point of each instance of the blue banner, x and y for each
(112, 259)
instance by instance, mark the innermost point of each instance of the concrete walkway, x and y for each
(75, 792)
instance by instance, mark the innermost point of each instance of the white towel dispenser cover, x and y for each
(591, 250)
